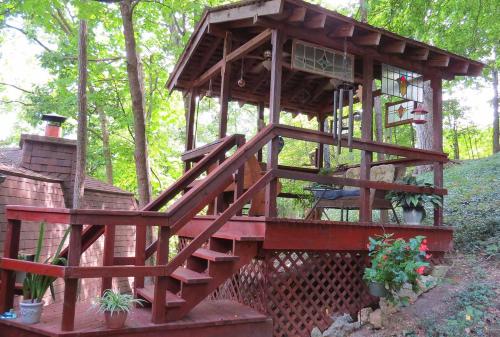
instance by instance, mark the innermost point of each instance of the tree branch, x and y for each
(18, 102)
(16, 87)
(40, 43)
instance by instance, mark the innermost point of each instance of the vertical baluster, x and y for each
(351, 120)
(11, 249)
(159, 310)
(108, 255)
(71, 285)
(239, 177)
(140, 253)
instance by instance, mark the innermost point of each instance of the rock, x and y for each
(440, 271)
(341, 327)
(387, 307)
(364, 315)
(408, 292)
(426, 283)
(316, 332)
(376, 319)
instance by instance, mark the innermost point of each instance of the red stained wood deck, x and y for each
(208, 319)
(298, 234)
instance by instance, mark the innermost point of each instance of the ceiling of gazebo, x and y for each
(302, 92)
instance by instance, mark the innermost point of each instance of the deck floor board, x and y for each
(209, 316)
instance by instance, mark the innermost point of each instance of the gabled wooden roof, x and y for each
(301, 92)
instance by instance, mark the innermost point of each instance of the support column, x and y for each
(71, 285)
(260, 125)
(108, 255)
(8, 277)
(437, 135)
(365, 211)
(277, 40)
(225, 86)
(190, 116)
(321, 146)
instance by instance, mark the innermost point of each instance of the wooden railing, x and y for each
(176, 216)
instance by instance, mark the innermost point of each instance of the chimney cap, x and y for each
(54, 118)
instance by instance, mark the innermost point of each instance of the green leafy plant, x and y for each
(410, 200)
(35, 286)
(113, 302)
(395, 262)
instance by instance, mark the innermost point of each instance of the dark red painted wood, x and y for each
(11, 249)
(71, 285)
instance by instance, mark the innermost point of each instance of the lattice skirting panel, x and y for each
(301, 290)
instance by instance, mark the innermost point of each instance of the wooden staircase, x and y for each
(204, 271)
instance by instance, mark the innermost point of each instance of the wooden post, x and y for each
(225, 86)
(159, 310)
(71, 285)
(239, 177)
(321, 147)
(274, 118)
(8, 277)
(260, 124)
(140, 253)
(365, 210)
(190, 116)
(437, 134)
(108, 255)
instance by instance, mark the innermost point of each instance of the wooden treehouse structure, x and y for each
(252, 273)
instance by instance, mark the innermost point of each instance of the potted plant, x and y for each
(35, 286)
(116, 307)
(413, 203)
(395, 262)
(21, 275)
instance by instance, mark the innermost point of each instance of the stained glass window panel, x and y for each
(402, 83)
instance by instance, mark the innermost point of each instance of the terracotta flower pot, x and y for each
(115, 320)
(377, 289)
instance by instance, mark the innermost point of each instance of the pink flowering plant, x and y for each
(395, 262)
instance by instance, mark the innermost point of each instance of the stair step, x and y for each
(214, 256)
(148, 294)
(189, 276)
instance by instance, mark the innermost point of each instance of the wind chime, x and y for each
(343, 93)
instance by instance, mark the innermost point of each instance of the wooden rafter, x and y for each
(438, 60)
(297, 16)
(344, 30)
(393, 47)
(234, 55)
(418, 54)
(370, 39)
(316, 22)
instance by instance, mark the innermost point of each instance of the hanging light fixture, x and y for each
(209, 92)
(241, 81)
(419, 114)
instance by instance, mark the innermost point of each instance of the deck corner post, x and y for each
(71, 284)
(11, 249)
(108, 255)
(365, 211)
(321, 146)
(277, 40)
(437, 141)
(159, 311)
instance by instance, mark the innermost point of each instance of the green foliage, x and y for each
(413, 200)
(470, 313)
(472, 205)
(35, 286)
(396, 262)
(113, 302)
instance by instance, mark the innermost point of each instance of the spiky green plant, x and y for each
(115, 302)
(35, 286)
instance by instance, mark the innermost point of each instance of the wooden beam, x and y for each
(370, 39)
(71, 285)
(437, 141)
(417, 54)
(260, 126)
(365, 211)
(298, 15)
(206, 58)
(236, 54)
(316, 22)
(225, 87)
(459, 67)
(439, 60)
(394, 47)
(277, 40)
(344, 30)
(10, 250)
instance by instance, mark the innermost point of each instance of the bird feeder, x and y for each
(419, 114)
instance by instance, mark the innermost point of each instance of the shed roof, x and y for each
(301, 92)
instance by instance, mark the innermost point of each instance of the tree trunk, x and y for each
(106, 149)
(138, 104)
(363, 11)
(81, 150)
(423, 132)
(456, 148)
(326, 148)
(496, 126)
